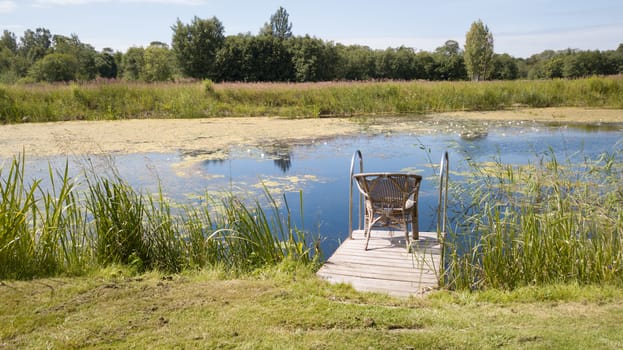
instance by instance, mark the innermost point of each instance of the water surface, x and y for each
(320, 168)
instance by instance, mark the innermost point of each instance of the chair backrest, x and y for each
(389, 189)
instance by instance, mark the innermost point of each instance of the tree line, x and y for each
(200, 50)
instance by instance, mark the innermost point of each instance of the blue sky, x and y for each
(520, 28)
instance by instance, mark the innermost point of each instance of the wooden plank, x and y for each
(387, 266)
(412, 278)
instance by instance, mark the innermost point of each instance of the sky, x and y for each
(519, 28)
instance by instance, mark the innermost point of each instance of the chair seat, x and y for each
(391, 199)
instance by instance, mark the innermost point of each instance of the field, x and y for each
(112, 267)
(286, 307)
(122, 100)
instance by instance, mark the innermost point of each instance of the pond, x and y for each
(319, 169)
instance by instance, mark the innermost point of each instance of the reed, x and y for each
(72, 226)
(126, 100)
(539, 224)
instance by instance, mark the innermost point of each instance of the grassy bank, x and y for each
(539, 224)
(123, 100)
(287, 307)
(75, 225)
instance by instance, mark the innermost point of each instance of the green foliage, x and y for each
(478, 51)
(254, 58)
(41, 233)
(196, 44)
(57, 229)
(200, 50)
(123, 100)
(279, 26)
(288, 307)
(8, 108)
(55, 67)
(84, 54)
(35, 45)
(106, 65)
(312, 59)
(542, 224)
(133, 62)
(158, 64)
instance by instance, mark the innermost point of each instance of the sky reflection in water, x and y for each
(320, 169)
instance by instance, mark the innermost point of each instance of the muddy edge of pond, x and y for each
(212, 137)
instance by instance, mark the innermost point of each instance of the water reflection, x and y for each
(320, 169)
(284, 163)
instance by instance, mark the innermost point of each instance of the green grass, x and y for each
(126, 100)
(287, 307)
(77, 225)
(540, 224)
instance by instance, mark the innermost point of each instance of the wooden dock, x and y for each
(386, 267)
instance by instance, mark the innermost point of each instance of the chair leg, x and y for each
(407, 235)
(367, 234)
(415, 226)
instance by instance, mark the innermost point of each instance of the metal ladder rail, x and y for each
(357, 154)
(442, 207)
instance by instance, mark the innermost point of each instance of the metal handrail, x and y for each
(357, 154)
(442, 208)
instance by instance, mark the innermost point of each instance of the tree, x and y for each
(504, 67)
(450, 64)
(85, 54)
(8, 41)
(132, 63)
(158, 63)
(313, 59)
(478, 51)
(279, 25)
(254, 58)
(55, 67)
(355, 63)
(231, 58)
(8, 51)
(105, 64)
(195, 46)
(35, 45)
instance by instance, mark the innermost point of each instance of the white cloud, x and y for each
(590, 38)
(85, 2)
(7, 6)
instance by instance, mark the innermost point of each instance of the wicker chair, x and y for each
(391, 199)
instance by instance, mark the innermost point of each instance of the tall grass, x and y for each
(542, 223)
(71, 227)
(126, 100)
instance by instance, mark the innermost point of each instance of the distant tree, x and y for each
(269, 59)
(504, 68)
(8, 50)
(105, 64)
(85, 54)
(553, 68)
(158, 63)
(231, 58)
(279, 25)
(132, 63)
(254, 58)
(313, 59)
(449, 48)
(195, 46)
(355, 63)
(55, 67)
(8, 41)
(478, 51)
(35, 45)
(427, 67)
(450, 62)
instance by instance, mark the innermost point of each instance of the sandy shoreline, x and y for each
(211, 136)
